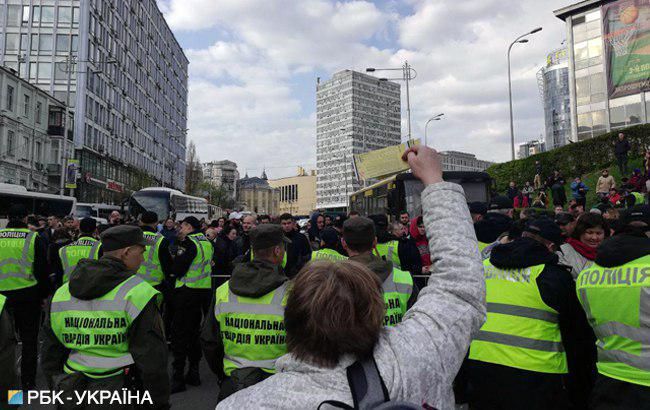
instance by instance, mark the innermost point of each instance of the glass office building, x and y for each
(553, 82)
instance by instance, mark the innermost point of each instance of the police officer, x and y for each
(402, 252)
(615, 293)
(360, 241)
(86, 247)
(7, 352)
(24, 282)
(329, 241)
(496, 222)
(245, 334)
(192, 294)
(535, 333)
(104, 331)
(158, 261)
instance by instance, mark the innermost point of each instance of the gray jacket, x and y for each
(419, 358)
(570, 257)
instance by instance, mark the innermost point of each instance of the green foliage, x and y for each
(586, 159)
(218, 196)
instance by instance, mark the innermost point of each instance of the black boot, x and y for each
(177, 382)
(192, 377)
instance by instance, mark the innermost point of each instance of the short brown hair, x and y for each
(335, 308)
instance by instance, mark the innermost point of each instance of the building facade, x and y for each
(530, 148)
(356, 113)
(31, 135)
(222, 174)
(127, 85)
(257, 196)
(553, 80)
(462, 161)
(607, 76)
(297, 194)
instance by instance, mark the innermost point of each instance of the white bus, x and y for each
(168, 203)
(36, 203)
(99, 212)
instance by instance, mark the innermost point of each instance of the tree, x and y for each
(217, 195)
(193, 171)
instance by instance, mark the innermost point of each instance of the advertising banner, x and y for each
(626, 33)
(382, 162)
(71, 170)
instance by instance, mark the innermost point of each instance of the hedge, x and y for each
(572, 160)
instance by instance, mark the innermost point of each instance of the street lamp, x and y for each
(408, 74)
(520, 40)
(434, 118)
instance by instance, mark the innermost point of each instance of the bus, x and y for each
(401, 192)
(36, 203)
(168, 203)
(215, 212)
(99, 212)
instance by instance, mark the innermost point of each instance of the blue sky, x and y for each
(254, 64)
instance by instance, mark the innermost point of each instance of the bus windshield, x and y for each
(84, 211)
(157, 202)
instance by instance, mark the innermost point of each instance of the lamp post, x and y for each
(520, 40)
(69, 68)
(437, 117)
(408, 74)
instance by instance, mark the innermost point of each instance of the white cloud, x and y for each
(246, 104)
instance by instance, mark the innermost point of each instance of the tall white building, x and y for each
(356, 113)
(128, 90)
(530, 148)
(553, 80)
(462, 161)
(222, 174)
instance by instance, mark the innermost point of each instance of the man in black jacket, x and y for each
(535, 351)
(621, 148)
(24, 303)
(496, 222)
(299, 250)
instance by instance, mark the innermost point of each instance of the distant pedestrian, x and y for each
(605, 184)
(538, 175)
(621, 149)
(579, 191)
(556, 183)
(528, 190)
(512, 190)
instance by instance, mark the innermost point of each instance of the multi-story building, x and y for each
(530, 148)
(462, 161)
(222, 174)
(256, 195)
(355, 113)
(553, 80)
(128, 87)
(608, 68)
(31, 132)
(297, 194)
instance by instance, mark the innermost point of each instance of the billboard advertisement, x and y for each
(71, 173)
(626, 33)
(382, 162)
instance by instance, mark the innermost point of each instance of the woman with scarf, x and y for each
(418, 234)
(579, 251)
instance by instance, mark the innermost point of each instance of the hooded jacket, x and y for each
(492, 226)
(421, 242)
(92, 279)
(249, 279)
(540, 390)
(382, 269)
(418, 358)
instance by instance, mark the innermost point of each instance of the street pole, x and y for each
(434, 118)
(407, 77)
(62, 154)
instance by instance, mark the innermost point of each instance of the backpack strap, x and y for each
(367, 388)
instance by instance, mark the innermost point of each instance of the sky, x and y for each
(254, 65)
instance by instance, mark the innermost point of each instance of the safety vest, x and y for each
(284, 258)
(70, 255)
(617, 304)
(327, 254)
(151, 270)
(482, 245)
(389, 250)
(198, 275)
(639, 198)
(96, 331)
(521, 331)
(17, 249)
(252, 329)
(3, 299)
(398, 288)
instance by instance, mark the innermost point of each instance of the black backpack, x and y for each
(368, 389)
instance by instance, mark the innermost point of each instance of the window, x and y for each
(34, 43)
(75, 17)
(13, 15)
(75, 43)
(11, 143)
(625, 111)
(47, 15)
(62, 43)
(9, 104)
(24, 40)
(38, 152)
(25, 148)
(36, 15)
(32, 71)
(44, 72)
(39, 112)
(25, 15)
(26, 104)
(60, 73)
(65, 17)
(11, 42)
(45, 44)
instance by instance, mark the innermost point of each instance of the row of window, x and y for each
(23, 148)
(41, 44)
(43, 16)
(26, 111)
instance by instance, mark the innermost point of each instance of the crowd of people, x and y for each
(464, 304)
(632, 189)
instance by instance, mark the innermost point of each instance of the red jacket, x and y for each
(421, 242)
(524, 203)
